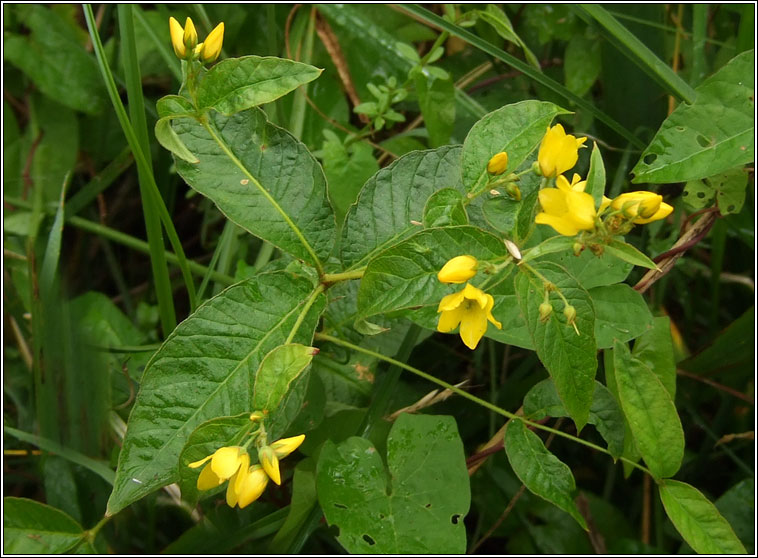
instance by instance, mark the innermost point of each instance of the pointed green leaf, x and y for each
(277, 371)
(445, 208)
(516, 129)
(405, 275)
(391, 204)
(596, 176)
(174, 105)
(655, 349)
(167, 137)
(236, 84)
(698, 520)
(206, 369)
(542, 400)
(620, 314)
(30, 527)
(436, 99)
(415, 507)
(541, 472)
(262, 178)
(712, 135)
(569, 358)
(550, 246)
(651, 413)
(629, 253)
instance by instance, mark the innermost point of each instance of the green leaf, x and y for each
(596, 176)
(728, 188)
(581, 64)
(261, 178)
(55, 60)
(405, 275)
(629, 253)
(174, 105)
(712, 135)
(620, 314)
(732, 347)
(541, 472)
(445, 208)
(204, 441)
(516, 129)
(737, 505)
(698, 520)
(542, 400)
(304, 498)
(569, 358)
(390, 206)
(415, 507)
(591, 270)
(550, 246)
(167, 137)
(277, 371)
(436, 98)
(650, 412)
(216, 351)
(499, 21)
(33, 528)
(236, 84)
(655, 350)
(515, 218)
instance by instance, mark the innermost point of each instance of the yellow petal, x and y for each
(498, 163)
(561, 225)
(581, 210)
(553, 201)
(177, 37)
(196, 464)
(603, 204)
(282, 448)
(226, 461)
(231, 493)
(253, 486)
(190, 34)
(663, 211)
(208, 479)
(458, 270)
(239, 476)
(472, 293)
(562, 183)
(450, 302)
(270, 463)
(473, 327)
(213, 42)
(449, 320)
(488, 310)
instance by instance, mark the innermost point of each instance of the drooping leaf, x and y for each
(516, 129)
(569, 358)
(712, 135)
(405, 275)
(236, 84)
(541, 472)
(30, 527)
(436, 99)
(261, 178)
(620, 314)
(650, 412)
(276, 373)
(206, 369)
(655, 349)
(168, 138)
(391, 204)
(698, 520)
(417, 506)
(542, 400)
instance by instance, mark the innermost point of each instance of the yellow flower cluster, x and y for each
(568, 208)
(246, 482)
(471, 308)
(184, 41)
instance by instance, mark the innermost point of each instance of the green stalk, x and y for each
(308, 303)
(105, 178)
(699, 35)
(139, 123)
(138, 155)
(297, 118)
(522, 67)
(639, 53)
(474, 398)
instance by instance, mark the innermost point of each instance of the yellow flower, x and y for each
(498, 163)
(190, 34)
(246, 486)
(212, 44)
(177, 37)
(270, 463)
(282, 448)
(577, 184)
(566, 210)
(471, 308)
(224, 463)
(458, 270)
(642, 207)
(558, 151)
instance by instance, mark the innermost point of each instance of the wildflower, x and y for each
(269, 456)
(182, 38)
(566, 210)
(212, 44)
(558, 151)
(458, 270)
(642, 207)
(498, 163)
(471, 308)
(246, 487)
(282, 448)
(577, 184)
(224, 463)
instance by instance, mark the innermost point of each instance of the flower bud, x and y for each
(458, 270)
(642, 207)
(212, 44)
(545, 310)
(498, 163)
(270, 463)
(513, 191)
(570, 313)
(578, 247)
(282, 448)
(536, 168)
(190, 35)
(177, 37)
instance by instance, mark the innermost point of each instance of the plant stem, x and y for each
(308, 303)
(474, 398)
(328, 278)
